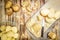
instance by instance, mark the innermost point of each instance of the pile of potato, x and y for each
(10, 7)
(8, 33)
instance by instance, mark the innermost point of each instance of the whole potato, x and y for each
(8, 4)
(9, 11)
(15, 8)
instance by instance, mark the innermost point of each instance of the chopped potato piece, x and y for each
(52, 35)
(4, 37)
(8, 28)
(39, 18)
(1, 34)
(36, 27)
(3, 28)
(15, 35)
(14, 29)
(10, 34)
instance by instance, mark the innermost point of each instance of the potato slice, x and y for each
(50, 20)
(9, 38)
(36, 27)
(44, 12)
(52, 35)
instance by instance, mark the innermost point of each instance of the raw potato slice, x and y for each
(15, 35)
(2, 28)
(29, 8)
(8, 4)
(50, 20)
(14, 29)
(57, 15)
(51, 15)
(36, 27)
(8, 28)
(4, 37)
(39, 17)
(44, 12)
(52, 35)
(10, 34)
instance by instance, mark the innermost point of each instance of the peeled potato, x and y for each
(15, 8)
(3, 28)
(52, 35)
(9, 11)
(8, 4)
(14, 29)
(8, 28)
(44, 12)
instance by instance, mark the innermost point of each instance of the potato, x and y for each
(15, 35)
(15, 8)
(36, 27)
(25, 3)
(49, 20)
(44, 12)
(9, 11)
(52, 35)
(39, 17)
(10, 34)
(9, 38)
(14, 29)
(1, 34)
(4, 37)
(8, 4)
(57, 14)
(13, 39)
(3, 28)
(8, 28)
